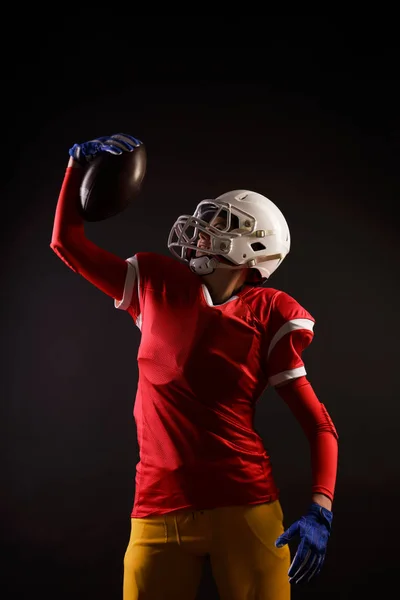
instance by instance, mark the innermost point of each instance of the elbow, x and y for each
(326, 424)
(61, 251)
(322, 430)
(320, 425)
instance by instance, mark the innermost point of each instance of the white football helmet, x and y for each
(254, 234)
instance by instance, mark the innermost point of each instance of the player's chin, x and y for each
(201, 253)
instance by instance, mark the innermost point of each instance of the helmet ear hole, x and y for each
(257, 246)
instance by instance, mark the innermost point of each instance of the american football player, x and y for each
(214, 336)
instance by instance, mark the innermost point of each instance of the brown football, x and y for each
(111, 182)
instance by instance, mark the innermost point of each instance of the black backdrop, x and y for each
(320, 138)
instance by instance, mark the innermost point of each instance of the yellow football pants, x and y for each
(165, 555)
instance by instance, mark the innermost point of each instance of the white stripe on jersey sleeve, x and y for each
(132, 278)
(287, 375)
(288, 327)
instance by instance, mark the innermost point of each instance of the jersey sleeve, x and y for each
(150, 275)
(131, 300)
(290, 331)
(141, 274)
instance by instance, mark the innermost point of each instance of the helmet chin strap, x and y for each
(205, 265)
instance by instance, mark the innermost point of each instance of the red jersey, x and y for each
(202, 368)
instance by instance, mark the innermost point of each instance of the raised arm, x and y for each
(102, 268)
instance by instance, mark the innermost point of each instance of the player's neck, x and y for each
(222, 284)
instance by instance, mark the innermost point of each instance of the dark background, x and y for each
(319, 135)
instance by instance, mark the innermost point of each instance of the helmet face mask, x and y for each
(209, 221)
(243, 227)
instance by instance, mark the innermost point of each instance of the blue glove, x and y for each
(314, 530)
(115, 144)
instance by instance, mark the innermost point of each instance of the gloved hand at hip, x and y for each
(314, 529)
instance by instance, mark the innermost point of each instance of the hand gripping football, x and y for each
(111, 182)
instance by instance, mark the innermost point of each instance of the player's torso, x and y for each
(201, 370)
